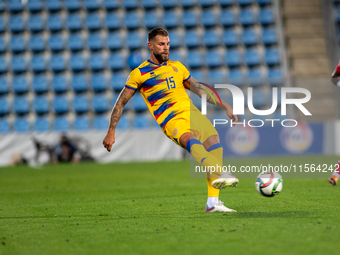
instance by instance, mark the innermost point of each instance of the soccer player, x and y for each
(335, 79)
(162, 84)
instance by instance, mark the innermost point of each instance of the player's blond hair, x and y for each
(157, 31)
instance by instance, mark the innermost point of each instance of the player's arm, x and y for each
(336, 75)
(200, 89)
(117, 111)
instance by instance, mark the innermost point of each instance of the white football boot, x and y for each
(226, 179)
(218, 207)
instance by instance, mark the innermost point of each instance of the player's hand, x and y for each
(231, 115)
(109, 140)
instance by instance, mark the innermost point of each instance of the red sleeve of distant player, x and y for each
(338, 67)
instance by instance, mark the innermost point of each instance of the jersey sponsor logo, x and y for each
(175, 69)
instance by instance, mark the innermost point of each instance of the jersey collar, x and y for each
(164, 64)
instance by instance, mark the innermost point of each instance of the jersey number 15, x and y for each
(171, 83)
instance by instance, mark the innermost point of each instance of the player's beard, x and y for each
(161, 58)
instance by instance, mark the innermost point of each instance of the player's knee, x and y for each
(184, 139)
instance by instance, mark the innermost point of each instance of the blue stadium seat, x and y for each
(255, 77)
(95, 41)
(74, 22)
(2, 45)
(192, 39)
(15, 5)
(211, 38)
(226, 3)
(100, 122)
(132, 20)
(149, 4)
(207, 3)
(80, 103)
(54, 22)
(78, 83)
(77, 62)
(38, 63)
(59, 83)
(213, 58)
(198, 74)
(16, 23)
(20, 105)
(111, 4)
(21, 125)
(170, 19)
(249, 37)
(259, 98)
(228, 18)
(75, 42)
(19, 84)
(57, 63)
(169, 4)
(81, 123)
(93, 21)
(36, 43)
(188, 3)
(272, 57)
(194, 59)
(141, 121)
(190, 19)
(123, 123)
(264, 2)
(35, 23)
(18, 64)
(134, 40)
(4, 106)
(247, 17)
(60, 104)
(175, 39)
(114, 41)
(130, 4)
(40, 105)
(73, 5)
(134, 59)
(275, 77)
(216, 74)
(41, 124)
(99, 103)
(53, 5)
(266, 16)
(2, 24)
(92, 5)
(245, 2)
(96, 62)
(209, 18)
(252, 57)
(3, 64)
(112, 21)
(116, 61)
(98, 82)
(269, 36)
(117, 81)
(3, 85)
(235, 77)
(39, 84)
(233, 58)
(17, 43)
(151, 19)
(56, 42)
(138, 103)
(4, 126)
(34, 5)
(2, 6)
(230, 38)
(61, 124)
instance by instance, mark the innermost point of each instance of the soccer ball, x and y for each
(269, 183)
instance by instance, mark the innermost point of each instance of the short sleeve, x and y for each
(134, 80)
(186, 73)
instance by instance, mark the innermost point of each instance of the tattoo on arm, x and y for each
(117, 110)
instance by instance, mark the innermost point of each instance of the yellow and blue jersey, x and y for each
(162, 88)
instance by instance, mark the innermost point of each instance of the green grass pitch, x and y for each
(156, 208)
